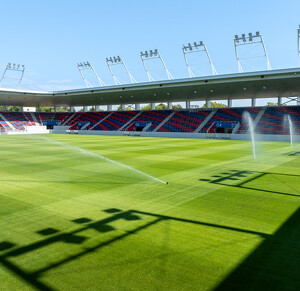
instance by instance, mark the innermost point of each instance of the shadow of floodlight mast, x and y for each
(230, 177)
(102, 226)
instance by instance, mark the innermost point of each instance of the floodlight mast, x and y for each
(16, 68)
(148, 56)
(196, 48)
(250, 40)
(87, 84)
(113, 61)
(87, 66)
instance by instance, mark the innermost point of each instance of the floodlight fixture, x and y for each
(145, 54)
(148, 56)
(87, 66)
(111, 61)
(250, 39)
(19, 72)
(196, 48)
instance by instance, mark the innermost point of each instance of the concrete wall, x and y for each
(265, 137)
(60, 129)
(258, 137)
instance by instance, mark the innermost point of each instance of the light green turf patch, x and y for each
(72, 220)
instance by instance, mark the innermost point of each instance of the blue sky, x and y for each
(50, 37)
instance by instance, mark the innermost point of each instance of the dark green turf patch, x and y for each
(5, 245)
(48, 231)
(82, 220)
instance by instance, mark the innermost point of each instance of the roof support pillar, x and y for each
(152, 106)
(137, 106)
(4, 108)
(84, 108)
(122, 107)
(97, 108)
(207, 104)
(169, 105)
(187, 104)
(253, 102)
(109, 107)
(229, 103)
(279, 103)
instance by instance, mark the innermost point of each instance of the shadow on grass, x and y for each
(52, 236)
(292, 154)
(274, 265)
(230, 178)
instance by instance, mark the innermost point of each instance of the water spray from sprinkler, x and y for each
(247, 116)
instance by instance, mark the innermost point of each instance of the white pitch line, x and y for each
(85, 152)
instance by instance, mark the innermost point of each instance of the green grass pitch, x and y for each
(72, 220)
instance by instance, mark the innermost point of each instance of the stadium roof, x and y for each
(263, 84)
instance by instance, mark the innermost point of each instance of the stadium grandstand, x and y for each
(268, 120)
